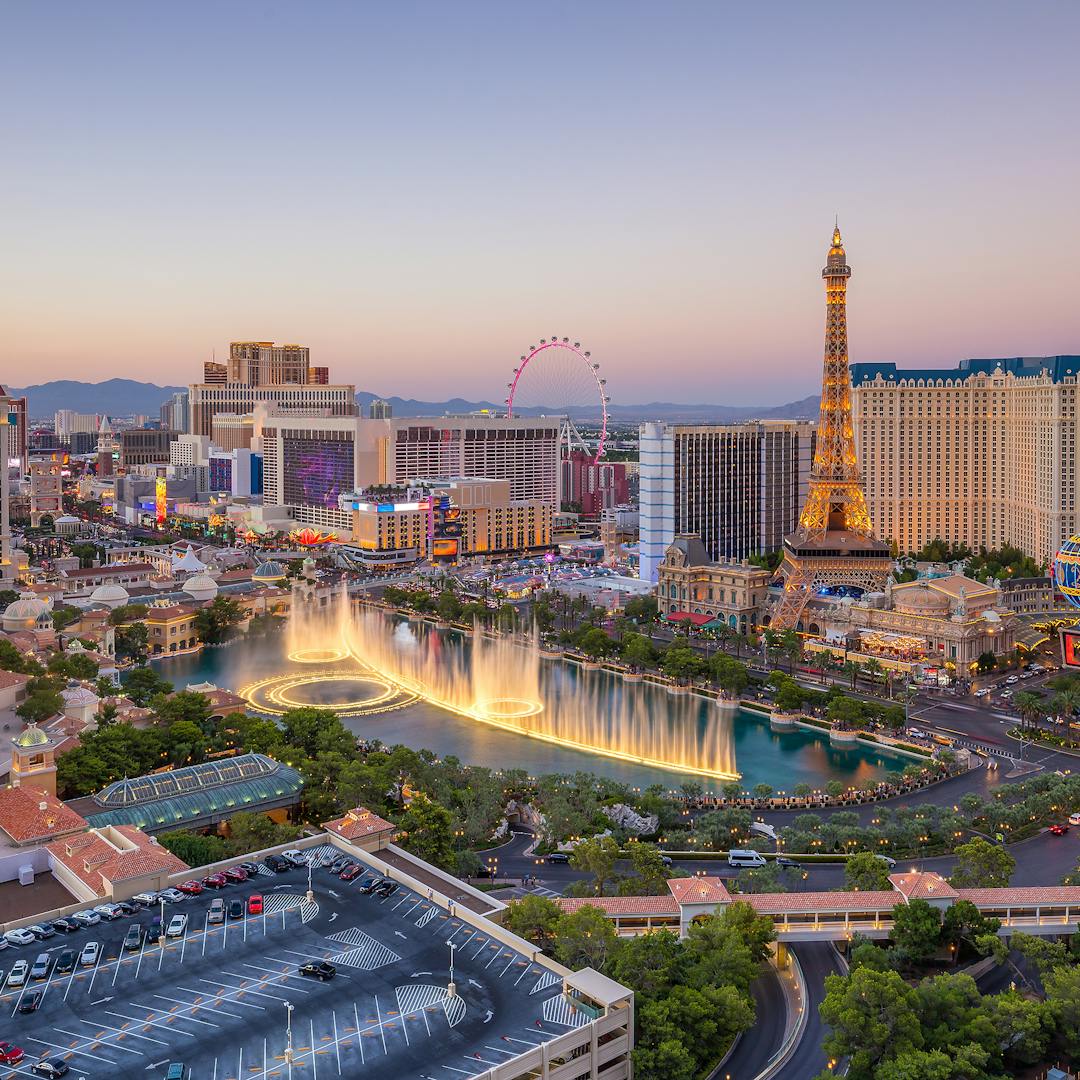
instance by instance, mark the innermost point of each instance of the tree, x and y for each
(43, 699)
(183, 707)
(145, 683)
(534, 918)
(127, 613)
(916, 930)
(650, 963)
(986, 662)
(729, 675)
(865, 872)
(594, 643)
(448, 606)
(845, 712)
(790, 696)
(1030, 706)
(872, 1017)
(729, 947)
(1062, 985)
(13, 660)
(964, 922)
(64, 615)
(217, 621)
(851, 668)
(722, 830)
(585, 938)
(681, 663)
(597, 857)
(428, 831)
(965, 1064)
(641, 609)
(637, 651)
(255, 832)
(650, 868)
(982, 865)
(194, 848)
(132, 643)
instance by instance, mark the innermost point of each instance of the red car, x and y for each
(1059, 830)
(192, 888)
(351, 872)
(10, 1054)
(235, 873)
(215, 881)
(255, 905)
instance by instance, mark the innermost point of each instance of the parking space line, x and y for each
(281, 975)
(124, 1032)
(93, 974)
(455, 933)
(232, 1000)
(194, 1005)
(524, 971)
(171, 1016)
(314, 1070)
(359, 1034)
(337, 1044)
(101, 1038)
(508, 963)
(69, 1050)
(149, 1021)
(378, 1013)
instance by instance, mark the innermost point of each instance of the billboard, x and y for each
(1070, 646)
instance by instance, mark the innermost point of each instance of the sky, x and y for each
(419, 191)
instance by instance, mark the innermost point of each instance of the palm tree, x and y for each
(873, 669)
(1030, 707)
(1066, 702)
(791, 646)
(852, 668)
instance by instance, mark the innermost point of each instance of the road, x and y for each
(753, 1050)
(818, 959)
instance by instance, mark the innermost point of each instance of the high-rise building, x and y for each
(46, 484)
(18, 441)
(8, 436)
(308, 462)
(107, 449)
(66, 422)
(215, 373)
(262, 363)
(379, 409)
(593, 485)
(738, 487)
(320, 375)
(834, 544)
(174, 412)
(145, 446)
(983, 454)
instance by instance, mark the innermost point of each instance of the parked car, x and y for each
(128, 908)
(277, 864)
(216, 914)
(783, 860)
(87, 918)
(236, 874)
(1059, 830)
(42, 931)
(177, 1070)
(215, 881)
(145, 899)
(339, 864)
(10, 1054)
(42, 966)
(173, 896)
(369, 887)
(1074, 819)
(18, 974)
(19, 937)
(29, 1003)
(558, 857)
(255, 904)
(177, 926)
(133, 939)
(388, 888)
(888, 860)
(89, 956)
(745, 857)
(294, 856)
(351, 872)
(51, 1066)
(66, 961)
(249, 868)
(109, 911)
(318, 969)
(191, 888)
(236, 909)
(65, 926)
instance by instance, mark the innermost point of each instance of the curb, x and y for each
(794, 1037)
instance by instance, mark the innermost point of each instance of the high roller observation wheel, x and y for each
(574, 348)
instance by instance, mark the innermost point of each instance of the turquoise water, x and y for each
(762, 756)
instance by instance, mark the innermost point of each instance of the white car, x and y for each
(984, 692)
(177, 925)
(87, 918)
(1074, 819)
(20, 937)
(295, 856)
(1012, 679)
(173, 896)
(18, 973)
(89, 956)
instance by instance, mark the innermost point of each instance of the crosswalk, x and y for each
(549, 978)
(558, 1010)
(418, 996)
(366, 953)
(275, 903)
(427, 916)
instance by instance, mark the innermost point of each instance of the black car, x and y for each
(42, 931)
(783, 860)
(251, 868)
(31, 1000)
(65, 926)
(128, 909)
(318, 969)
(66, 961)
(236, 909)
(370, 886)
(558, 857)
(277, 864)
(51, 1067)
(133, 939)
(387, 888)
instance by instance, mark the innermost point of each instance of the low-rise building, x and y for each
(171, 628)
(1027, 595)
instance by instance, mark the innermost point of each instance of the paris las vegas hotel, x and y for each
(983, 454)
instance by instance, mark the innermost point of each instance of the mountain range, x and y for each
(126, 397)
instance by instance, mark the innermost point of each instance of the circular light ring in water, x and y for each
(318, 656)
(275, 694)
(507, 708)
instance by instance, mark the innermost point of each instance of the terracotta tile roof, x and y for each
(220, 698)
(358, 823)
(27, 814)
(922, 885)
(699, 890)
(119, 853)
(785, 903)
(115, 570)
(164, 614)
(622, 905)
(12, 678)
(1024, 894)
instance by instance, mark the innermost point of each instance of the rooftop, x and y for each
(103, 856)
(27, 814)
(358, 823)
(1057, 367)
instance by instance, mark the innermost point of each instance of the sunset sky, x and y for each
(420, 190)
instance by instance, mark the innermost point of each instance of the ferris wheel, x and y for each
(559, 378)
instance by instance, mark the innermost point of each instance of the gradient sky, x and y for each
(420, 190)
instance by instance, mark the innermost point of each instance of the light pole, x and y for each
(288, 1033)
(451, 988)
(161, 927)
(310, 890)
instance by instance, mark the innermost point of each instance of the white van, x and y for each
(744, 857)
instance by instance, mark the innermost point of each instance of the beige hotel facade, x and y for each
(983, 454)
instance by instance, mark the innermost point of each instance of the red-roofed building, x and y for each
(117, 861)
(29, 816)
(924, 885)
(12, 688)
(363, 828)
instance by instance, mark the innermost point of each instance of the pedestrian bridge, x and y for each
(838, 916)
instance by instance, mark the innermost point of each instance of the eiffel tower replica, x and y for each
(834, 543)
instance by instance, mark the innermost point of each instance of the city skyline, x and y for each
(419, 198)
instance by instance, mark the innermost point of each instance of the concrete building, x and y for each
(379, 409)
(984, 454)
(262, 363)
(17, 452)
(67, 422)
(175, 413)
(690, 583)
(8, 427)
(739, 487)
(592, 485)
(46, 484)
(310, 462)
(145, 446)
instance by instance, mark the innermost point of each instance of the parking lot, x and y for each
(215, 997)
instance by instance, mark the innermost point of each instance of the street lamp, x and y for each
(288, 1033)
(161, 926)
(310, 890)
(451, 987)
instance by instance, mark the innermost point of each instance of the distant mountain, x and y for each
(116, 397)
(657, 410)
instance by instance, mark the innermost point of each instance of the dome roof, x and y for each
(25, 612)
(31, 736)
(201, 586)
(269, 571)
(66, 519)
(919, 599)
(76, 696)
(110, 595)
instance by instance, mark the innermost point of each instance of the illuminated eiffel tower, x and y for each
(834, 543)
